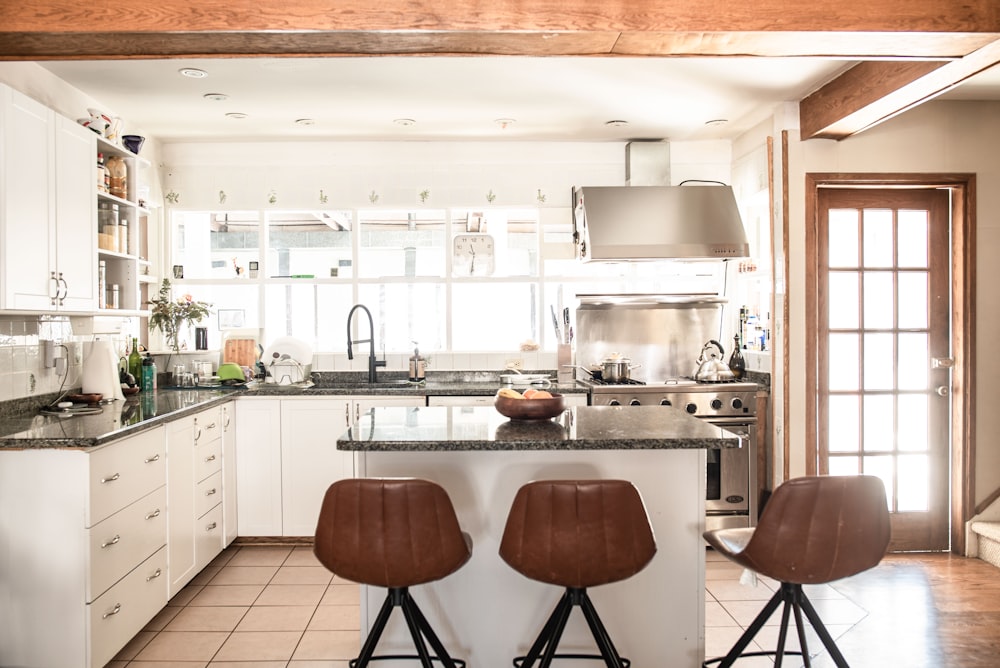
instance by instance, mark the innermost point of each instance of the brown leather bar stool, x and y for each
(393, 533)
(576, 534)
(813, 530)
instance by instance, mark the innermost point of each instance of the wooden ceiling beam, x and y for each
(872, 92)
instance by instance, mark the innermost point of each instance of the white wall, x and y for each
(939, 136)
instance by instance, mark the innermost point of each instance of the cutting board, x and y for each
(240, 351)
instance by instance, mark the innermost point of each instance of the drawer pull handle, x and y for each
(155, 513)
(115, 611)
(210, 426)
(210, 492)
(155, 575)
(111, 479)
(211, 526)
(113, 541)
(210, 459)
(154, 458)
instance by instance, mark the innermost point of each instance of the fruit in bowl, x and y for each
(531, 405)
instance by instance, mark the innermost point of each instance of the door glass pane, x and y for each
(882, 467)
(877, 235)
(843, 238)
(878, 363)
(912, 251)
(878, 423)
(912, 300)
(844, 420)
(914, 483)
(843, 371)
(911, 433)
(843, 289)
(844, 465)
(307, 243)
(914, 361)
(878, 301)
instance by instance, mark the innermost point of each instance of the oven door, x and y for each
(729, 472)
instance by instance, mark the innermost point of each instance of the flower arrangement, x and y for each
(169, 315)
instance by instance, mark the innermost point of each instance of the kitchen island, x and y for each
(486, 613)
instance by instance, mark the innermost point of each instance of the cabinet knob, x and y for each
(211, 526)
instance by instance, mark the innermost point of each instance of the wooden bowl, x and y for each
(129, 391)
(530, 409)
(89, 398)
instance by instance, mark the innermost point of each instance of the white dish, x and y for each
(525, 379)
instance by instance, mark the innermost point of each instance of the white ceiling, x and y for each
(449, 98)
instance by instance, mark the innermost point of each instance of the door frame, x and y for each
(963, 324)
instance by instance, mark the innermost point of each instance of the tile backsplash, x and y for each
(22, 366)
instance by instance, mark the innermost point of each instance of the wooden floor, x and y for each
(917, 611)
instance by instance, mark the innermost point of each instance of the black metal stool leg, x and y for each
(560, 612)
(427, 630)
(800, 628)
(823, 634)
(405, 602)
(608, 652)
(368, 649)
(755, 626)
(779, 653)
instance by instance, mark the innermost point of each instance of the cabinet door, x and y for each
(180, 503)
(258, 466)
(229, 505)
(26, 203)
(310, 461)
(75, 215)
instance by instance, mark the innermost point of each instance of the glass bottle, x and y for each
(736, 362)
(118, 171)
(135, 362)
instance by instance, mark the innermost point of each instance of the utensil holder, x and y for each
(564, 363)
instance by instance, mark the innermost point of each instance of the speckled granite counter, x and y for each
(578, 428)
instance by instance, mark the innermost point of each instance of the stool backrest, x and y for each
(389, 532)
(578, 533)
(817, 529)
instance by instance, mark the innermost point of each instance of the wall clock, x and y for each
(472, 255)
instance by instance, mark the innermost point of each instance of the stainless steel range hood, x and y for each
(657, 222)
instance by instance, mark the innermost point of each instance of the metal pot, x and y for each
(711, 368)
(616, 369)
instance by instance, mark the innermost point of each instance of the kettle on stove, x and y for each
(711, 367)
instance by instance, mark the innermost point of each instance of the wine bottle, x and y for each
(135, 362)
(736, 362)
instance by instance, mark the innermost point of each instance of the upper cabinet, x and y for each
(48, 226)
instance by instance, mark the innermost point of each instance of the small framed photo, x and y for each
(178, 271)
(231, 318)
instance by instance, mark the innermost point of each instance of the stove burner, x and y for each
(628, 381)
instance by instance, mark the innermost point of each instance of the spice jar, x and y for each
(118, 171)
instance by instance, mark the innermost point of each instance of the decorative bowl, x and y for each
(530, 409)
(133, 142)
(88, 398)
(129, 391)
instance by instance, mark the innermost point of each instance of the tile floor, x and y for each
(276, 607)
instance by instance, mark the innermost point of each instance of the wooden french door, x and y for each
(883, 350)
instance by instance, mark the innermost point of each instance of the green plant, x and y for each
(169, 315)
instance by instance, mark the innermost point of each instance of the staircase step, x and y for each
(989, 541)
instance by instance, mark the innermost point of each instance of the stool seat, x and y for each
(393, 533)
(576, 534)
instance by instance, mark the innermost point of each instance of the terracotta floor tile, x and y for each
(716, 615)
(318, 664)
(206, 575)
(302, 575)
(185, 596)
(259, 646)
(183, 646)
(328, 645)
(167, 664)
(264, 555)
(244, 595)
(162, 618)
(336, 618)
(208, 618)
(277, 618)
(291, 595)
(342, 594)
(244, 575)
(135, 645)
(732, 590)
(302, 556)
(249, 664)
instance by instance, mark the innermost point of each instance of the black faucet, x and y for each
(372, 362)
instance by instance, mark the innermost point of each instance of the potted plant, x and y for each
(169, 315)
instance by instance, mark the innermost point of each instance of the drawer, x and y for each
(207, 494)
(207, 458)
(124, 472)
(126, 608)
(209, 537)
(208, 426)
(124, 540)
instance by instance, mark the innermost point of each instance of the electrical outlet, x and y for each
(515, 363)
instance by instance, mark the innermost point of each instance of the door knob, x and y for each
(942, 391)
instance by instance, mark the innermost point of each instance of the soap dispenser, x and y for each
(418, 365)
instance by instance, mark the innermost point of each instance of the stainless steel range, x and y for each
(731, 478)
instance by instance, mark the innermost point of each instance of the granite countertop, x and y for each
(577, 428)
(442, 384)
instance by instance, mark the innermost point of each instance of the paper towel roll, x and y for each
(100, 370)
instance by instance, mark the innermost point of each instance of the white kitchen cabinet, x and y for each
(48, 221)
(81, 550)
(194, 490)
(229, 513)
(287, 458)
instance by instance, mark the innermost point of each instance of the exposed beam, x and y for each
(873, 92)
(171, 28)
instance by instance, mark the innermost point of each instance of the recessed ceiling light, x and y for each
(405, 122)
(237, 115)
(504, 122)
(192, 73)
(616, 123)
(716, 122)
(305, 121)
(215, 97)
